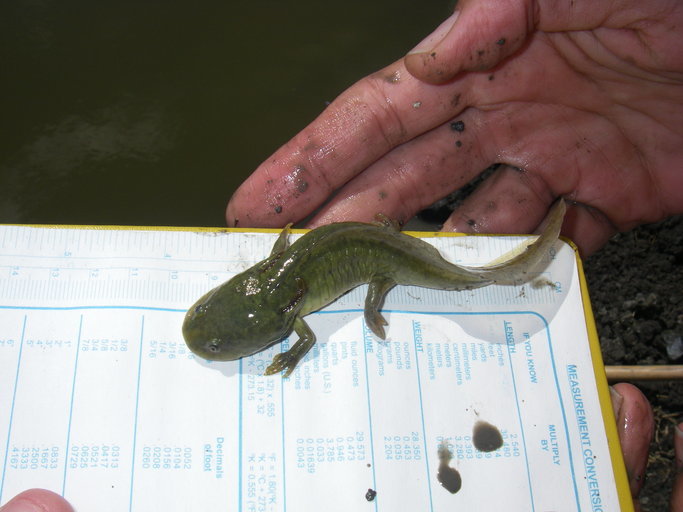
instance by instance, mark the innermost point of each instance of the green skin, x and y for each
(264, 304)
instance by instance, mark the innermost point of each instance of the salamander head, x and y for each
(233, 321)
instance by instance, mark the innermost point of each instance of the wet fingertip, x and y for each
(678, 446)
(460, 224)
(462, 220)
(427, 62)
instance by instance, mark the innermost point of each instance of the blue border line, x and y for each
(284, 458)
(367, 391)
(521, 424)
(240, 419)
(71, 405)
(11, 414)
(422, 418)
(135, 421)
(566, 426)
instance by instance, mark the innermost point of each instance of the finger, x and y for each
(677, 492)
(375, 115)
(479, 35)
(516, 201)
(589, 228)
(511, 200)
(635, 424)
(37, 500)
(412, 176)
(483, 33)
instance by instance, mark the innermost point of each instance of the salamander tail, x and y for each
(518, 268)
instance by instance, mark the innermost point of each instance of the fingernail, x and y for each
(430, 42)
(617, 401)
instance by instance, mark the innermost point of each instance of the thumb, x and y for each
(37, 500)
(476, 37)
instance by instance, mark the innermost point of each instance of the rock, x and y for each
(673, 342)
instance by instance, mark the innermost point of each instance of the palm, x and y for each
(593, 115)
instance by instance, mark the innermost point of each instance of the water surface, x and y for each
(153, 112)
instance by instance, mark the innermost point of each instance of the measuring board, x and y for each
(102, 402)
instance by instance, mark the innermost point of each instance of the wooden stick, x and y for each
(645, 372)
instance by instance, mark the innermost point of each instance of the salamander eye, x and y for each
(198, 309)
(213, 348)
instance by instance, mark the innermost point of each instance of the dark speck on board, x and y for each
(458, 143)
(500, 41)
(486, 437)
(447, 476)
(370, 495)
(458, 126)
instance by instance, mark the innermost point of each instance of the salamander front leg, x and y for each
(377, 290)
(288, 360)
(282, 241)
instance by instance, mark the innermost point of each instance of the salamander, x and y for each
(264, 304)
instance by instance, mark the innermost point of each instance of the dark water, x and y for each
(153, 112)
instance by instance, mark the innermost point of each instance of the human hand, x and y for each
(37, 500)
(580, 99)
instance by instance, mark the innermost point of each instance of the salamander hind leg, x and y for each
(288, 360)
(377, 290)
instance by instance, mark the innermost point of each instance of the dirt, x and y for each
(636, 288)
